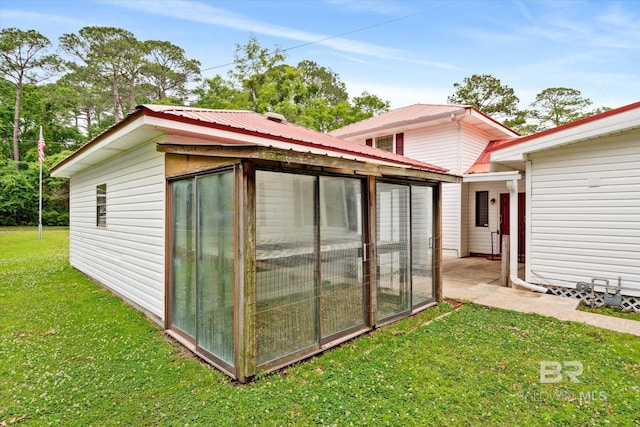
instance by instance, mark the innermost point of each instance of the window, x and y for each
(390, 143)
(482, 208)
(385, 143)
(101, 205)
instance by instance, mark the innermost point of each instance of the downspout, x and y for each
(512, 185)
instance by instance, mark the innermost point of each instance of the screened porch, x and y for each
(269, 265)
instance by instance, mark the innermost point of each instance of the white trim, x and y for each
(627, 120)
(527, 221)
(491, 176)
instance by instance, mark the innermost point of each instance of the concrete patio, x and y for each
(479, 280)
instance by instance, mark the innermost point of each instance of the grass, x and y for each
(73, 354)
(610, 311)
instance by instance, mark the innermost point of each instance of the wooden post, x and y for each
(437, 242)
(505, 259)
(246, 295)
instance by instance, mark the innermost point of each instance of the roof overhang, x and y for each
(612, 122)
(491, 176)
(408, 124)
(469, 115)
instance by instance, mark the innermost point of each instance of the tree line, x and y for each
(99, 74)
(102, 73)
(551, 107)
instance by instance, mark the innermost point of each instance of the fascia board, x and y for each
(606, 126)
(491, 176)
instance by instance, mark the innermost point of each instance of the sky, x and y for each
(404, 51)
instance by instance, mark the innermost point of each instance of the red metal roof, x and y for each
(250, 123)
(483, 162)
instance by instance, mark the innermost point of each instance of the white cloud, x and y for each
(40, 17)
(201, 12)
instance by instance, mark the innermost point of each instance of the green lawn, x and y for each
(73, 354)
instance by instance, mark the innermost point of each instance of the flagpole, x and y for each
(40, 159)
(40, 206)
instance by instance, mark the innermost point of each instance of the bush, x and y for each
(55, 218)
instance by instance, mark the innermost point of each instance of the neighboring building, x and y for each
(254, 242)
(453, 136)
(582, 185)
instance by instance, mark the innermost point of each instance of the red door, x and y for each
(504, 221)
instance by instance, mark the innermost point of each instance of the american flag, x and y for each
(41, 147)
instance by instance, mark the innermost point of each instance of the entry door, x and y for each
(202, 264)
(505, 221)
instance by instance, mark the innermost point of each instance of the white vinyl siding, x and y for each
(585, 213)
(127, 255)
(434, 144)
(451, 217)
(439, 145)
(475, 142)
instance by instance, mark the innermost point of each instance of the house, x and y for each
(254, 242)
(453, 136)
(582, 198)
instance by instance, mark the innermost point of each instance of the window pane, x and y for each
(342, 301)
(385, 143)
(421, 244)
(482, 208)
(215, 265)
(393, 285)
(101, 205)
(286, 264)
(183, 258)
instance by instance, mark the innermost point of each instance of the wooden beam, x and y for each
(306, 158)
(176, 165)
(418, 173)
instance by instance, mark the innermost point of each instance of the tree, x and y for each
(86, 99)
(168, 71)
(254, 70)
(24, 60)
(320, 83)
(556, 106)
(113, 55)
(487, 94)
(218, 93)
(18, 196)
(309, 94)
(370, 105)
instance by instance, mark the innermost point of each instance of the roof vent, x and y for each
(275, 117)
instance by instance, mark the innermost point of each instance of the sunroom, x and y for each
(275, 253)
